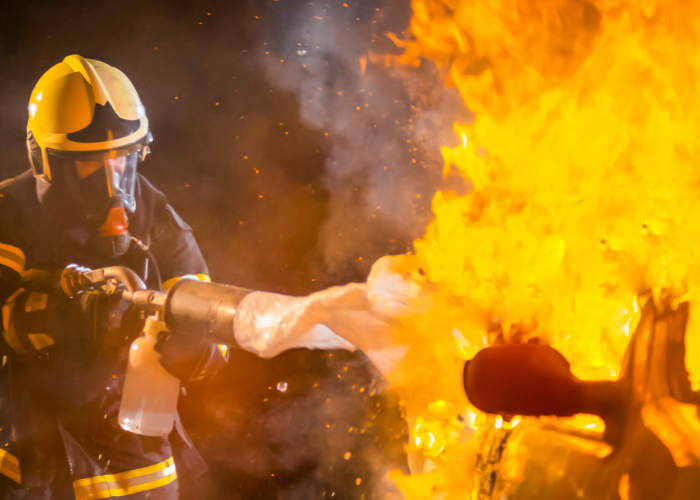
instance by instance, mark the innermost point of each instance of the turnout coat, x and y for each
(63, 366)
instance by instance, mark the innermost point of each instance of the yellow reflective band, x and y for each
(8, 323)
(40, 340)
(223, 349)
(169, 283)
(36, 302)
(126, 483)
(9, 466)
(12, 257)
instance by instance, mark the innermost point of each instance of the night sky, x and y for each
(296, 168)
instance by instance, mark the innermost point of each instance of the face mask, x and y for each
(95, 193)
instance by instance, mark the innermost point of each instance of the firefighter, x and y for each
(63, 360)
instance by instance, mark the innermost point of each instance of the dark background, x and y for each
(297, 167)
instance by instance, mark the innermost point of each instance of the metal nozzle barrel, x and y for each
(190, 307)
(199, 308)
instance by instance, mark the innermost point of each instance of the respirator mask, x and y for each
(95, 190)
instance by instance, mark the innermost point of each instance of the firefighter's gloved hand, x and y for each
(190, 357)
(33, 321)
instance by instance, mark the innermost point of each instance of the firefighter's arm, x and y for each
(11, 268)
(188, 356)
(25, 313)
(37, 315)
(9, 282)
(12, 258)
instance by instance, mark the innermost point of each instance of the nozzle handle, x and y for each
(76, 279)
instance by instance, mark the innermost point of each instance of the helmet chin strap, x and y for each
(113, 237)
(42, 188)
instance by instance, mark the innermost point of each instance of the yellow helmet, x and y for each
(87, 130)
(85, 109)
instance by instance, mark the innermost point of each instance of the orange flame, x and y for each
(584, 176)
(363, 65)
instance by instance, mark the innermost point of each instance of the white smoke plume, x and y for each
(384, 126)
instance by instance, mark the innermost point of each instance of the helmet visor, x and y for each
(96, 182)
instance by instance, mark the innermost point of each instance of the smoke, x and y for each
(383, 126)
(332, 428)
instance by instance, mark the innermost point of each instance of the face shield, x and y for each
(96, 182)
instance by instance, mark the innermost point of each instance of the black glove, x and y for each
(190, 357)
(36, 321)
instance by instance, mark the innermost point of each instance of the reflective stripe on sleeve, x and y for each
(12, 257)
(9, 466)
(40, 340)
(36, 302)
(126, 483)
(169, 283)
(8, 323)
(223, 349)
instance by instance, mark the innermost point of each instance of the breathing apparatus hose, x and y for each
(151, 261)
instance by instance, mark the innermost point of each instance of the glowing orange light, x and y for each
(583, 178)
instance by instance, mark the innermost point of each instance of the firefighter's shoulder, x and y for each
(15, 193)
(174, 245)
(18, 197)
(149, 199)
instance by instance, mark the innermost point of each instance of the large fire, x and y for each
(582, 193)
